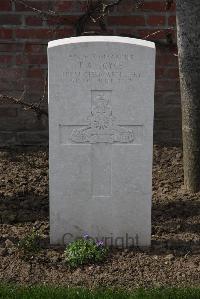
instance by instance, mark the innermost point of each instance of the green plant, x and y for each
(84, 251)
(30, 243)
(58, 292)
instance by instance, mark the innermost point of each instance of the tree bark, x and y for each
(188, 34)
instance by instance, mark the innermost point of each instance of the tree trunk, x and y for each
(188, 31)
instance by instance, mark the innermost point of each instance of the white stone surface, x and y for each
(101, 102)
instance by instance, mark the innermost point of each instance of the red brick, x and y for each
(35, 48)
(33, 33)
(172, 21)
(5, 59)
(167, 85)
(82, 6)
(34, 84)
(158, 6)
(95, 28)
(31, 59)
(43, 33)
(167, 59)
(130, 32)
(172, 7)
(156, 20)
(56, 21)
(152, 34)
(153, 6)
(165, 72)
(64, 6)
(5, 5)
(40, 5)
(62, 33)
(172, 99)
(10, 20)
(5, 85)
(28, 50)
(172, 73)
(11, 47)
(126, 7)
(160, 72)
(6, 33)
(35, 73)
(126, 20)
(28, 138)
(11, 73)
(63, 20)
(70, 6)
(33, 21)
(8, 112)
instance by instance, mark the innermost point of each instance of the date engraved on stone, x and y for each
(102, 127)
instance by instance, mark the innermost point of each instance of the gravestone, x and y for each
(101, 102)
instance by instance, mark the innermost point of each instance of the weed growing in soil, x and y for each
(30, 243)
(57, 292)
(84, 251)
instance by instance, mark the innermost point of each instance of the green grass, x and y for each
(46, 292)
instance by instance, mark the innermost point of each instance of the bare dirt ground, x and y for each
(173, 259)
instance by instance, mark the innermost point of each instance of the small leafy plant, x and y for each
(84, 251)
(30, 243)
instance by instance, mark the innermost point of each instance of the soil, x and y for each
(172, 260)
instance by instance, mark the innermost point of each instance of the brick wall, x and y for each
(23, 62)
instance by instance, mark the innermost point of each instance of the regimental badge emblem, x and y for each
(102, 126)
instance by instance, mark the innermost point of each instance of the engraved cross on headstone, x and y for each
(102, 132)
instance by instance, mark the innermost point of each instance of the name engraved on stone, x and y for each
(106, 77)
(112, 68)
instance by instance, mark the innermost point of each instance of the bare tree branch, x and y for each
(169, 4)
(34, 107)
(96, 11)
(38, 11)
(44, 91)
(111, 5)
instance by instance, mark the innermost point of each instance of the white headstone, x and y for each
(101, 102)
